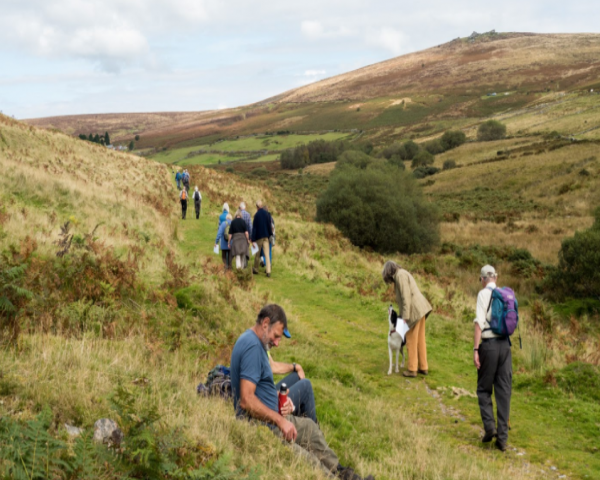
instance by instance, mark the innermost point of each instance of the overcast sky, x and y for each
(60, 57)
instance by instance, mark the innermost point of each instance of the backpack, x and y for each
(196, 196)
(226, 233)
(505, 312)
(218, 383)
(183, 194)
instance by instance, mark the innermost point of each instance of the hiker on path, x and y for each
(224, 213)
(178, 177)
(493, 360)
(247, 218)
(223, 241)
(239, 241)
(414, 309)
(261, 231)
(255, 396)
(183, 198)
(271, 241)
(197, 201)
(186, 180)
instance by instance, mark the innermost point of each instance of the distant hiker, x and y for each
(414, 309)
(493, 360)
(247, 218)
(224, 214)
(261, 231)
(223, 241)
(255, 396)
(271, 241)
(183, 198)
(239, 241)
(178, 177)
(197, 202)
(186, 180)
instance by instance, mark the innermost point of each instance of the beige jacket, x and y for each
(412, 305)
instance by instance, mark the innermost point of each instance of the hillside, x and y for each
(414, 94)
(157, 313)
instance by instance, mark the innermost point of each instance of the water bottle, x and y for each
(282, 396)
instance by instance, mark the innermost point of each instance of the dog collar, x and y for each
(392, 331)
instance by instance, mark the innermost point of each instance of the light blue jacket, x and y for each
(220, 237)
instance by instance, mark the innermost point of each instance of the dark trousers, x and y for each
(183, 208)
(301, 393)
(226, 257)
(495, 373)
(197, 206)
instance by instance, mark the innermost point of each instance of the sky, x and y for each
(65, 57)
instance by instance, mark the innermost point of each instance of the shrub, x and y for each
(260, 172)
(491, 130)
(452, 139)
(379, 206)
(397, 161)
(578, 271)
(422, 172)
(422, 159)
(411, 150)
(449, 164)
(355, 159)
(434, 146)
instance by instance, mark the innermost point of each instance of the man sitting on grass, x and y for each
(255, 396)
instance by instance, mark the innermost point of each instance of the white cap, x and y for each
(488, 271)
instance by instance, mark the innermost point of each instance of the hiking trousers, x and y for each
(226, 257)
(302, 395)
(417, 347)
(183, 208)
(197, 205)
(312, 441)
(262, 243)
(495, 373)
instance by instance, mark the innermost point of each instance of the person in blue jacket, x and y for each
(223, 240)
(223, 215)
(178, 176)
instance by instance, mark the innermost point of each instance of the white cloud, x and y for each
(315, 30)
(389, 39)
(314, 73)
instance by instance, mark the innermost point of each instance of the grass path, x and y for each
(341, 340)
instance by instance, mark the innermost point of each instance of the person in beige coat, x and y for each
(414, 309)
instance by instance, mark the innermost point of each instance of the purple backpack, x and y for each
(505, 311)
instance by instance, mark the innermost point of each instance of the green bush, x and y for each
(397, 161)
(449, 164)
(491, 130)
(422, 172)
(578, 271)
(260, 172)
(378, 205)
(422, 159)
(452, 139)
(434, 146)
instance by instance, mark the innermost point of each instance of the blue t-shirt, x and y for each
(249, 361)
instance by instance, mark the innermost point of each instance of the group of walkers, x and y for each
(239, 235)
(183, 184)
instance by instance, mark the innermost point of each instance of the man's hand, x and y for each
(300, 372)
(288, 406)
(476, 359)
(288, 430)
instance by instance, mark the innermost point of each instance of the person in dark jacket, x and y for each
(197, 202)
(261, 231)
(186, 180)
(238, 241)
(271, 241)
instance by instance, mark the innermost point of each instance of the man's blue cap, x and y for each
(286, 333)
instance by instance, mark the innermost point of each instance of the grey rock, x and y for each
(107, 431)
(73, 431)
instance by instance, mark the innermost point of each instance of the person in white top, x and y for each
(493, 360)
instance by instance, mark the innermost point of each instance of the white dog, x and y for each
(395, 341)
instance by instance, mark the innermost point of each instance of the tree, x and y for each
(106, 138)
(96, 138)
(412, 149)
(91, 137)
(380, 206)
(452, 139)
(491, 130)
(83, 136)
(137, 138)
(422, 159)
(131, 146)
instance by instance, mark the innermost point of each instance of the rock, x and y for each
(107, 431)
(73, 431)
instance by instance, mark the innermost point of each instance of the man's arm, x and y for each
(476, 341)
(258, 410)
(280, 368)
